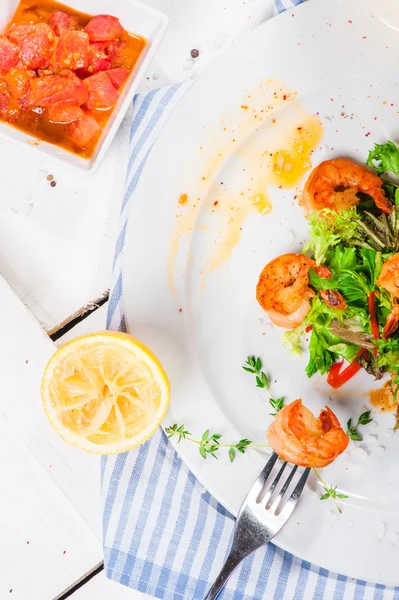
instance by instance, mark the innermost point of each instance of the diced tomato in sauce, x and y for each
(60, 72)
(64, 113)
(9, 107)
(97, 61)
(102, 93)
(37, 47)
(18, 31)
(52, 89)
(118, 76)
(73, 50)
(9, 55)
(61, 21)
(103, 28)
(19, 81)
(84, 131)
(99, 46)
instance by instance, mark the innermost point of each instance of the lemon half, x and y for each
(105, 392)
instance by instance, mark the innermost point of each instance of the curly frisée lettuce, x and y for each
(384, 158)
(327, 229)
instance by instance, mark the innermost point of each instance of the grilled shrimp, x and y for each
(335, 183)
(283, 289)
(389, 280)
(298, 437)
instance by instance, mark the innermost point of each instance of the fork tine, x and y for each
(269, 492)
(260, 482)
(293, 499)
(285, 487)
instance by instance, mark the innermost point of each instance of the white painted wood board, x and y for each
(50, 491)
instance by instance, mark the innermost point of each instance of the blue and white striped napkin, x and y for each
(163, 532)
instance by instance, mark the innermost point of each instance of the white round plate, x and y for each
(191, 268)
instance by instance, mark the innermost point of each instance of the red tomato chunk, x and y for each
(64, 113)
(102, 93)
(118, 76)
(9, 54)
(19, 81)
(103, 28)
(52, 89)
(19, 31)
(72, 50)
(84, 131)
(60, 21)
(37, 46)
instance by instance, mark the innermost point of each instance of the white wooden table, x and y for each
(56, 247)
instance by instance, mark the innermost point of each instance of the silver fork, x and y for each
(257, 523)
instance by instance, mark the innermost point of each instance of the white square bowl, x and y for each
(135, 18)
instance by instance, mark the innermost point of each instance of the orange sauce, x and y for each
(293, 160)
(37, 125)
(382, 398)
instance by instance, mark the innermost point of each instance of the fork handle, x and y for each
(233, 560)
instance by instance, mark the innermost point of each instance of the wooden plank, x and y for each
(57, 243)
(49, 505)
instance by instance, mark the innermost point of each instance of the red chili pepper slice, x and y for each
(336, 378)
(309, 328)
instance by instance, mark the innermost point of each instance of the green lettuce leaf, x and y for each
(320, 358)
(384, 157)
(343, 258)
(329, 228)
(352, 285)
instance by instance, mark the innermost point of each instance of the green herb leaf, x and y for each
(353, 432)
(354, 435)
(232, 454)
(202, 451)
(242, 444)
(262, 380)
(277, 404)
(325, 496)
(180, 432)
(365, 418)
(205, 435)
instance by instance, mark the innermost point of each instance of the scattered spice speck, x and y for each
(367, 134)
(194, 53)
(50, 177)
(53, 183)
(180, 310)
(244, 107)
(216, 203)
(183, 199)
(64, 552)
(28, 543)
(349, 21)
(27, 361)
